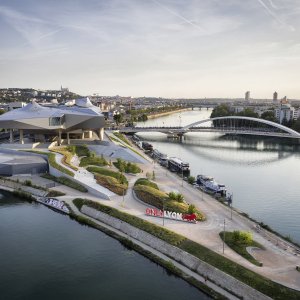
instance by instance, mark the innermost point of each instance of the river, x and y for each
(261, 172)
(47, 255)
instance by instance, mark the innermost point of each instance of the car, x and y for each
(185, 178)
(195, 185)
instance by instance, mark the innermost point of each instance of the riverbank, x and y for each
(153, 116)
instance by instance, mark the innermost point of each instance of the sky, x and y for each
(159, 48)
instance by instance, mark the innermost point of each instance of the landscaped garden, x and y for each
(148, 192)
(93, 161)
(255, 280)
(127, 167)
(114, 181)
(238, 241)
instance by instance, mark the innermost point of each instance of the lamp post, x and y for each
(224, 237)
(163, 212)
(231, 198)
(182, 177)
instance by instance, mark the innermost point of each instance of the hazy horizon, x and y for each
(171, 49)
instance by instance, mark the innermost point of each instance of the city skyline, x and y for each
(181, 49)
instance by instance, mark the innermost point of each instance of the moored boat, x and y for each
(211, 184)
(147, 146)
(178, 165)
(57, 204)
(160, 156)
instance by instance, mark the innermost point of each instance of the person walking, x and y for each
(205, 279)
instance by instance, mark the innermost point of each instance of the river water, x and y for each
(46, 255)
(262, 172)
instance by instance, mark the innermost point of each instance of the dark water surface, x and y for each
(46, 255)
(262, 172)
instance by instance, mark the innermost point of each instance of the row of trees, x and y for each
(223, 111)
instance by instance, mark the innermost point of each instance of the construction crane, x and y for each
(95, 96)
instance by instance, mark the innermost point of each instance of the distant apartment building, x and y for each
(34, 94)
(247, 96)
(275, 97)
(284, 111)
(14, 105)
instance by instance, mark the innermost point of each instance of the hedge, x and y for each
(108, 173)
(121, 137)
(66, 160)
(146, 182)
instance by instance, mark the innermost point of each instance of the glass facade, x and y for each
(57, 121)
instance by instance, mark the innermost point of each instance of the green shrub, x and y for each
(179, 198)
(96, 161)
(153, 176)
(192, 209)
(172, 196)
(93, 153)
(88, 154)
(128, 167)
(84, 146)
(144, 181)
(27, 182)
(121, 179)
(191, 179)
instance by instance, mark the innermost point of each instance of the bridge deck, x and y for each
(176, 130)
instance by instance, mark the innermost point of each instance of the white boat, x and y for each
(56, 204)
(160, 156)
(211, 184)
(178, 165)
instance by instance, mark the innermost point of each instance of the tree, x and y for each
(2, 111)
(148, 175)
(179, 198)
(84, 146)
(110, 164)
(296, 125)
(236, 236)
(246, 236)
(191, 179)
(172, 195)
(153, 176)
(192, 209)
(118, 118)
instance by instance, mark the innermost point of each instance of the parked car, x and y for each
(195, 185)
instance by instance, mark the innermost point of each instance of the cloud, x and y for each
(262, 3)
(187, 21)
(41, 37)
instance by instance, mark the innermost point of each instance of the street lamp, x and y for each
(224, 237)
(231, 198)
(163, 212)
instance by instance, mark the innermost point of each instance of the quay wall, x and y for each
(18, 186)
(220, 278)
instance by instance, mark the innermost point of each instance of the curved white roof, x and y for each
(84, 102)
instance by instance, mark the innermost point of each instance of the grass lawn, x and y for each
(95, 161)
(158, 231)
(121, 137)
(241, 248)
(79, 150)
(145, 181)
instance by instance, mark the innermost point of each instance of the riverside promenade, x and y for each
(278, 264)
